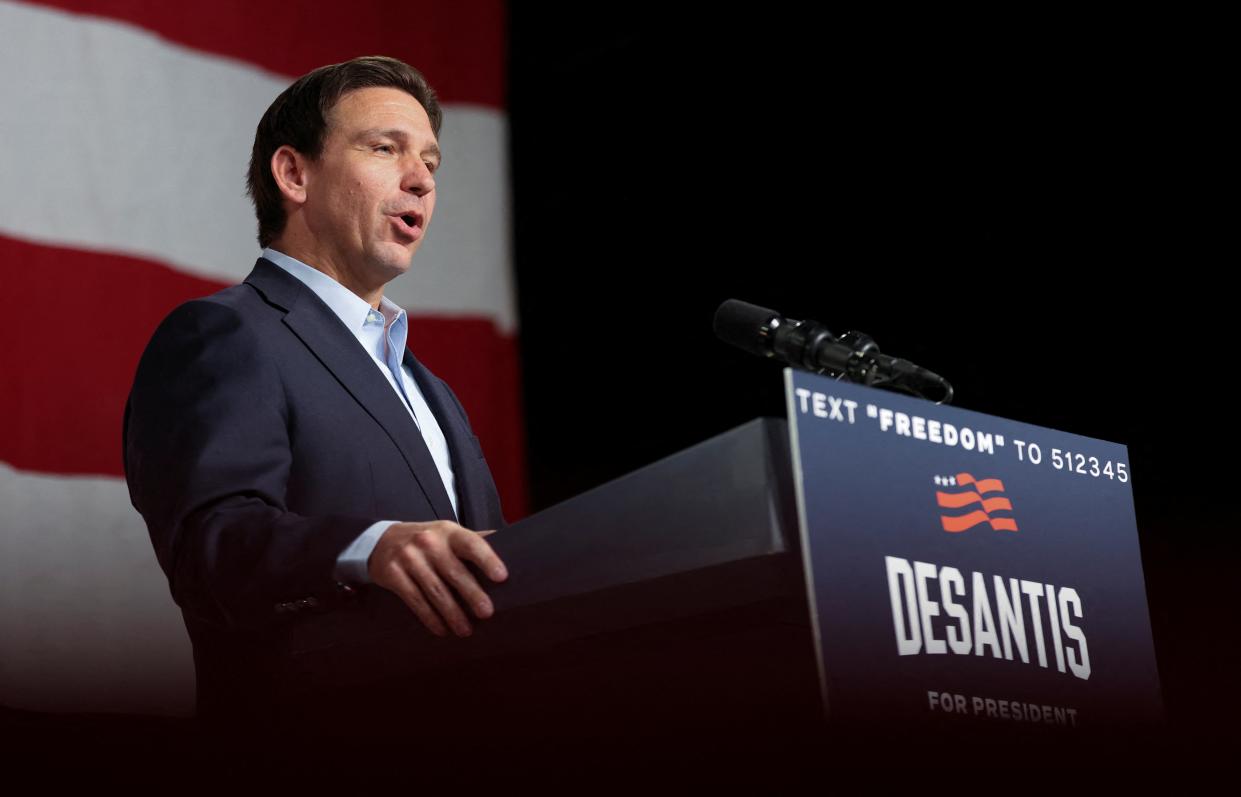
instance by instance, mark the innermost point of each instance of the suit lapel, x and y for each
(462, 446)
(322, 332)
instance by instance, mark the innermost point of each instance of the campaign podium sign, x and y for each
(965, 569)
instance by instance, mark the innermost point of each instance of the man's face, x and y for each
(370, 195)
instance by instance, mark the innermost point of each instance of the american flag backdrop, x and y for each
(125, 132)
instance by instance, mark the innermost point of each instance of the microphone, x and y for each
(812, 347)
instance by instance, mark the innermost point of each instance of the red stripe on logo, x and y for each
(957, 500)
(995, 504)
(963, 522)
(982, 485)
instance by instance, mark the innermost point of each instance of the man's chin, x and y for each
(394, 261)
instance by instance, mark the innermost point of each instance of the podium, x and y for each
(670, 600)
(925, 571)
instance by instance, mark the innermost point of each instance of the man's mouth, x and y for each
(408, 225)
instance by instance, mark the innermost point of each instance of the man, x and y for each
(288, 453)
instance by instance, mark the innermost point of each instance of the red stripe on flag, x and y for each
(460, 47)
(74, 325)
(76, 322)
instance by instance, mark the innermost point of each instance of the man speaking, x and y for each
(286, 450)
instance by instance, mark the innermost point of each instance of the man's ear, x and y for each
(288, 167)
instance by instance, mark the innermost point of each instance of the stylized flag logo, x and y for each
(973, 494)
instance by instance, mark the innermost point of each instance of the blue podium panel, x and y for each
(967, 569)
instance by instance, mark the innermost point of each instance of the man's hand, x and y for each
(423, 564)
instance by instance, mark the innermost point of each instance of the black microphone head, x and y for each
(745, 326)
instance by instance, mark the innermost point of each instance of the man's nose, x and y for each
(418, 179)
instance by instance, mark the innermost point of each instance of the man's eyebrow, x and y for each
(398, 135)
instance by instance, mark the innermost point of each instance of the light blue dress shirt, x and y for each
(382, 334)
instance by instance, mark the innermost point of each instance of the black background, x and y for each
(1020, 204)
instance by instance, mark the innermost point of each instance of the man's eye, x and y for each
(388, 148)
(431, 166)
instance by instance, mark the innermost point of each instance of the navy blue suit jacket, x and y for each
(260, 440)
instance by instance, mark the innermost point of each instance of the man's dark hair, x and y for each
(298, 117)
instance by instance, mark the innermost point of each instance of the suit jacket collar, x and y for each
(314, 323)
(467, 456)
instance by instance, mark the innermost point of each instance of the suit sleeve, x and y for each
(207, 460)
